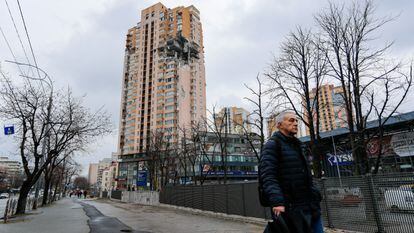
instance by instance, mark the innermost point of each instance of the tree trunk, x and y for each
(56, 189)
(46, 190)
(317, 155)
(24, 191)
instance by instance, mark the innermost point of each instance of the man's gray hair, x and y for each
(281, 116)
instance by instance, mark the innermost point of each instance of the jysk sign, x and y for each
(142, 178)
(340, 159)
(8, 130)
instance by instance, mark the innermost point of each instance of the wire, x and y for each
(17, 31)
(28, 38)
(10, 49)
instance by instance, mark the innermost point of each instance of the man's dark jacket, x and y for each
(286, 178)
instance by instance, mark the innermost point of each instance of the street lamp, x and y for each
(49, 108)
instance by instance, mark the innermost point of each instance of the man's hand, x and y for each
(278, 210)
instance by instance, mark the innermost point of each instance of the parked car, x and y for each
(399, 199)
(4, 195)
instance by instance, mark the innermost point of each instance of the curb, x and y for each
(231, 217)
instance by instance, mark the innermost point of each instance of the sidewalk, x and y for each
(162, 220)
(64, 216)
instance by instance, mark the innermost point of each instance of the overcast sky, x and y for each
(80, 43)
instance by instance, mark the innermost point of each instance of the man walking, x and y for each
(287, 180)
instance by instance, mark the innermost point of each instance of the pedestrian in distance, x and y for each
(85, 193)
(285, 181)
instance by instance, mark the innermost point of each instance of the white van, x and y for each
(399, 199)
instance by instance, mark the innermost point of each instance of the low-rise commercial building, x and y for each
(394, 152)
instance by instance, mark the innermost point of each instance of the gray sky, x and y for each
(80, 43)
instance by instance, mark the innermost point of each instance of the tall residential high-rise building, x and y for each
(332, 108)
(271, 125)
(233, 120)
(163, 80)
(93, 173)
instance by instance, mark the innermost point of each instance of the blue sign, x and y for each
(340, 159)
(142, 178)
(8, 130)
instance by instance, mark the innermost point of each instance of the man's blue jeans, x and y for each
(317, 225)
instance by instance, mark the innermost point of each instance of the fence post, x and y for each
(325, 202)
(202, 197)
(227, 198)
(214, 197)
(243, 200)
(377, 214)
(192, 196)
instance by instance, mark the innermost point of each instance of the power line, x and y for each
(10, 49)
(17, 31)
(28, 38)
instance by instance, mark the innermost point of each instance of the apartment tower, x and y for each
(233, 120)
(163, 81)
(332, 112)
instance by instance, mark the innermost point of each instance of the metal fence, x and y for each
(116, 194)
(381, 203)
(11, 206)
(237, 198)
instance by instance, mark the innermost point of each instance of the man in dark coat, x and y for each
(287, 179)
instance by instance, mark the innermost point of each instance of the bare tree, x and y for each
(81, 182)
(256, 119)
(362, 70)
(297, 75)
(29, 106)
(159, 156)
(380, 101)
(219, 126)
(71, 169)
(201, 149)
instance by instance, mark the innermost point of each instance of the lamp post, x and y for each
(337, 162)
(45, 143)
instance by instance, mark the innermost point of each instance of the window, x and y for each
(169, 93)
(168, 122)
(169, 100)
(169, 107)
(171, 114)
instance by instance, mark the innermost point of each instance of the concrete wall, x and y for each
(141, 197)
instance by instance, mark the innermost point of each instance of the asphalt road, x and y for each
(99, 223)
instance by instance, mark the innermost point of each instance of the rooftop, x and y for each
(394, 120)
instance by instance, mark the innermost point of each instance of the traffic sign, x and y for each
(8, 130)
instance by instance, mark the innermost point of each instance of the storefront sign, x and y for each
(403, 144)
(340, 159)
